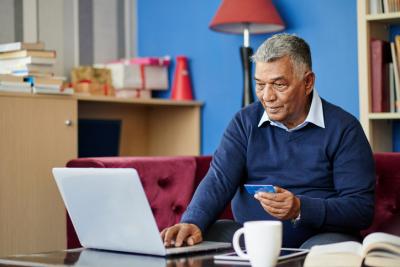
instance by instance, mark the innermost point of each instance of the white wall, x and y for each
(105, 36)
(104, 25)
(7, 21)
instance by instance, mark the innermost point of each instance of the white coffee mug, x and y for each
(263, 241)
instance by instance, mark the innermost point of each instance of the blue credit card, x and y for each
(254, 188)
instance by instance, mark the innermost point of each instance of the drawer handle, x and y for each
(68, 122)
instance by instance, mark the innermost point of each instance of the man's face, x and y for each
(284, 95)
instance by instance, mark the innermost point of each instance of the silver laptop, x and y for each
(109, 210)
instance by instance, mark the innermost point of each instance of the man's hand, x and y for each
(282, 204)
(181, 233)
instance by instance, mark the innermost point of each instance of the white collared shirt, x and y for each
(315, 115)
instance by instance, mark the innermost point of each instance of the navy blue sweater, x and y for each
(330, 169)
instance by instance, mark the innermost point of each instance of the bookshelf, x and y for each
(39, 132)
(377, 126)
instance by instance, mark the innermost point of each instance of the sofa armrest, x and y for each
(387, 197)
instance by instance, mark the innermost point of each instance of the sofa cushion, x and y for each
(169, 183)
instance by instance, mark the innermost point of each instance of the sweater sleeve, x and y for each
(354, 182)
(223, 178)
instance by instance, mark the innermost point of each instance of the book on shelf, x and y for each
(392, 89)
(383, 6)
(32, 70)
(51, 83)
(20, 63)
(11, 78)
(26, 72)
(23, 66)
(395, 75)
(15, 88)
(10, 83)
(377, 249)
(28, 53)
(380, 58)
(397, 72)
(375, 7)
(21, 46)
(45, 68)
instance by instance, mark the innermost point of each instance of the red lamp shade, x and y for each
(260, 16)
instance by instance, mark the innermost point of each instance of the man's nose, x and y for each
(268, 93)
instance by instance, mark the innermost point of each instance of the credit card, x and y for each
(254, 188)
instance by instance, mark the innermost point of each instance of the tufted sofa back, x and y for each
(169, 183)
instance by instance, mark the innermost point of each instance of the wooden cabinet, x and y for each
(377, 126)
(34, 137)
(38, 133)
(153, 127)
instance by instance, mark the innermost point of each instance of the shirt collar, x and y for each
(315, 115)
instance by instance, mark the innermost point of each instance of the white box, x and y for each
(140, 73)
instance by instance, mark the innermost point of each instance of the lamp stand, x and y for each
(245, 54)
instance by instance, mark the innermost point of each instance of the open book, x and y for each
(377, 249)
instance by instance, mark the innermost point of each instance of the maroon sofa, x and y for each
(169, 183)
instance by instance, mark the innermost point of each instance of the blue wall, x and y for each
(180, 27)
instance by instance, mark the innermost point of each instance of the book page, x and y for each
(381, 241)
(381, 259)
(336, 254)
(383, 254)
(342, 247)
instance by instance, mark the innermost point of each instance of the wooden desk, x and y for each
(153, 127)
(84, 257)
(39, 132)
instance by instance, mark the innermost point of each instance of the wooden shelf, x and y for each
(377, 126)
(393, 17)
(384, 116)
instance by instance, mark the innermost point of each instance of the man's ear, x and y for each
(309, 80)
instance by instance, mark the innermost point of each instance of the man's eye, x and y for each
(279, 86)
(260, 86)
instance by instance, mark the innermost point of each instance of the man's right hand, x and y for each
(181, 233)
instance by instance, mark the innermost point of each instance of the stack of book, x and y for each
(385, 75)
(29, 67)
(25, 59)
(49, 85)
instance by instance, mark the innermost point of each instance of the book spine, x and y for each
(392, 88)
(373, 7)
(10, 47)
(377, 75)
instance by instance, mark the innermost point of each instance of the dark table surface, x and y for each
(89, 257)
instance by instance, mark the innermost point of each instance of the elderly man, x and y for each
(313, 152)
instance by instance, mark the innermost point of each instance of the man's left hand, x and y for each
(283, 204)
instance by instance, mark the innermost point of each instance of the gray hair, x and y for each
(281, 45)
